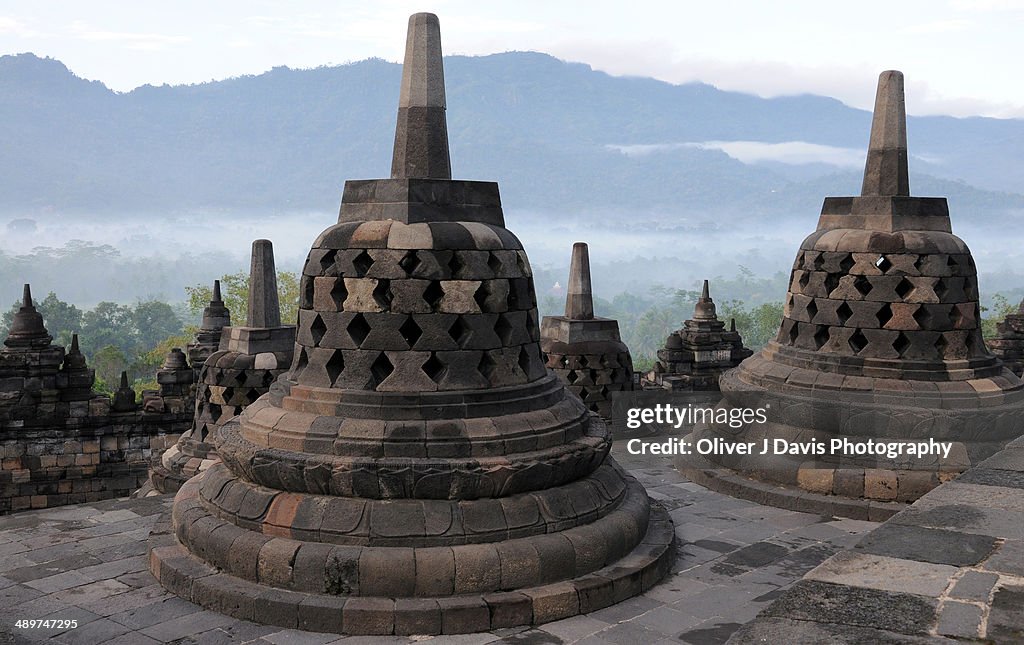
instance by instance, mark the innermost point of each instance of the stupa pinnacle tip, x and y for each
(216, 292)
(579, 299)
(26, 298)
(421, 136)
(705, 292)
(886, 171)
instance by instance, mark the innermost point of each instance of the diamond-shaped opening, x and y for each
(486, 366)
(844, 312)
(339, 293)
(301, 362)
(218, 377)
(584, 363)
(455, 264)
(955, 317)
(858, 341)
(524, 360)
(433, 294)
(434, 368)
(804, 279)
(410, 262)
(362, 264)
(923, 317)
(481, 296)
(940, 345)
(970, 289)
(381, 369)
(831, 282)
(919, 262)
(821, 336)
(951, 261)
(812, 310)
(503, 329)
(459, 331)
(382, 294)
(268, 378)
(862, 285)
(306, 293)
(494, 263)
(571, 377)
(410, 331)
(358, 329)
(884, 315)
(794, 333)
(253, 394)
(334, 366)
(901, 344)
(940, 288)
(563, 362)
(904, 288)
(819, 261)
(847, 263)
(318, 329)
(883, 263)
(327, 260)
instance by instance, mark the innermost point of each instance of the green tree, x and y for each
(109, 361)
(1000, 309)
(234, 288)
(154, 321)
(109, 324)
(757, 325)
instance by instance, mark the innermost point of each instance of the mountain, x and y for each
(560, 137)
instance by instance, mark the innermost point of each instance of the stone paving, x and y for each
(948, 568)
(87, 563)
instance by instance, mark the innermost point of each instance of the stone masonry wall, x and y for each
(85, 459)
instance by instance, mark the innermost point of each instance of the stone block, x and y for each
(369, 616)
(880, 484)
(417, 616)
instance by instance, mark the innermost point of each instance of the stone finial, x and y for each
(421, 136)
(579, 298)
(732, 324)
(124, 380)
(27, 329)
(74, 359)
(215, 315)
(175, 360)
(885, 172)
(705, 308)
(264, 309)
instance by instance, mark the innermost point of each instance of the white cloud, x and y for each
(937, 27)
(131, 40)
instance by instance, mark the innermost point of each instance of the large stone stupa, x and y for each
(418, 470)
(881, 340)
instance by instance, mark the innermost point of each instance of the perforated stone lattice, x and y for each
(884, 305)
(593, 377)
(417, 319)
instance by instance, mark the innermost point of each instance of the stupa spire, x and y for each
(885, 172)
(27, 327)
(421, 136)
(705, 308)
(264, 309)
(579, 298)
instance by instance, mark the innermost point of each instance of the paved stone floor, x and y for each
(87, 563)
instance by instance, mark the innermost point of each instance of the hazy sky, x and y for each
(959, 55)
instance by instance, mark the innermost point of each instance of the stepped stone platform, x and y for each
(88, 563)
(950, 568)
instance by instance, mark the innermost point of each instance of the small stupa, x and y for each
(695, 356)
(248, 360)
(1008, 344)
(585, 351)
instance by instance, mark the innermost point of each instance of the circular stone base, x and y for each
(729, 482)
(192, 579)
